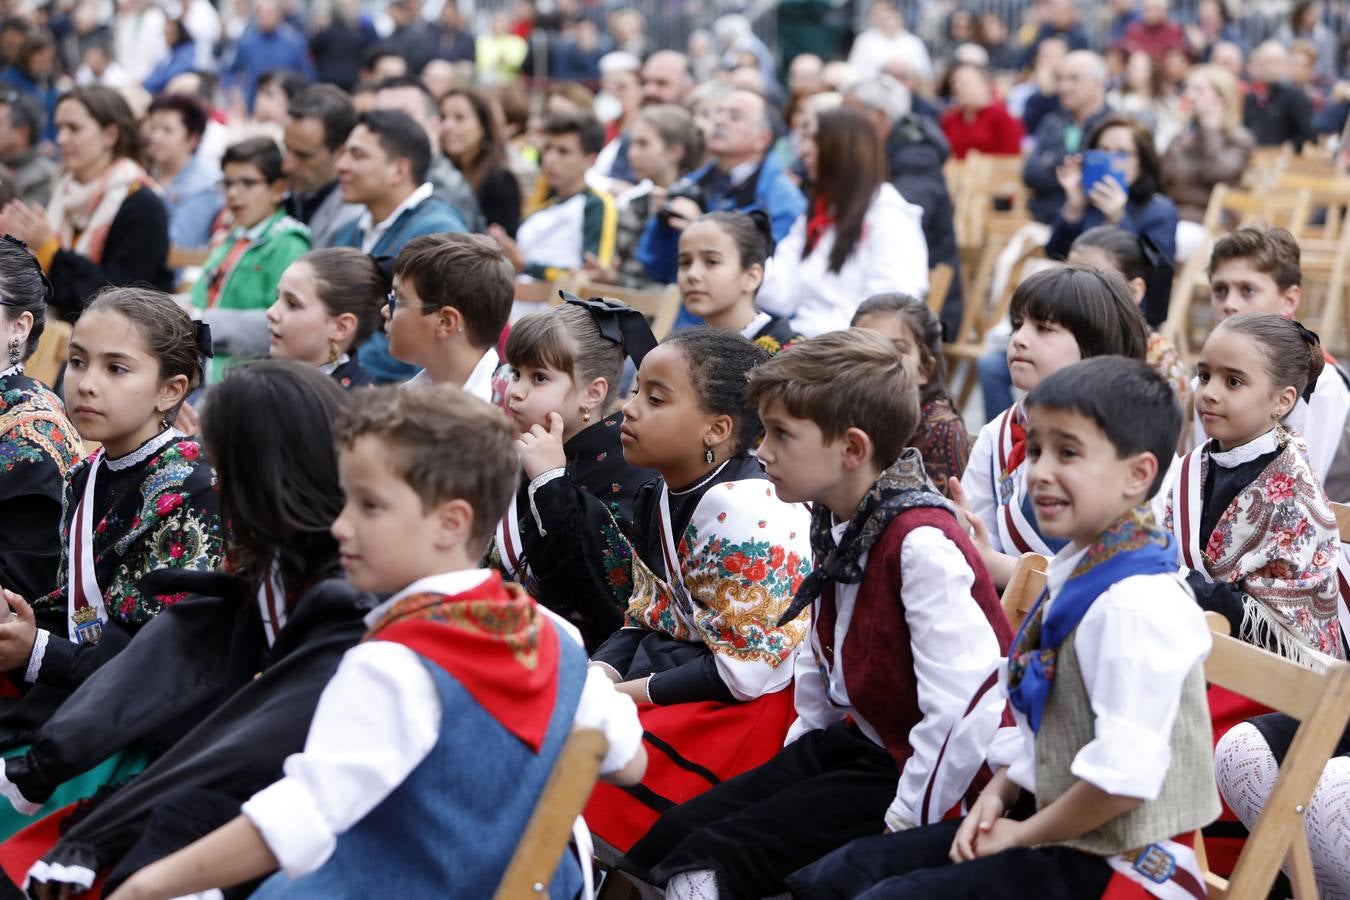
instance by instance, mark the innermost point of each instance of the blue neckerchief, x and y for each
(1132, 545)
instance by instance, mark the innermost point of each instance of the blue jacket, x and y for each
(182, 58)
(257, 52)
(1051, 148)
(44, 95)
(1156, 217)
(431, 216)
(770, 190)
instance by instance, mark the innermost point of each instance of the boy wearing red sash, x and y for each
(1105, 678)
(433, 740)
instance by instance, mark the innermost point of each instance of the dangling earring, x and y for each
(585, 414)
(15, 352)
(708, 456)
(333, 354)
(165, 421)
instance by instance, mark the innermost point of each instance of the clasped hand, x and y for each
(17, 633)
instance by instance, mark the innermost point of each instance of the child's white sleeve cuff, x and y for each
(605, 709)
(291, 826)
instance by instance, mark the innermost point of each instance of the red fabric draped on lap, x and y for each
(26, 847)
(1227, 709)
(720, 740)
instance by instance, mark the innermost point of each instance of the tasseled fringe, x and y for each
(1267, 629)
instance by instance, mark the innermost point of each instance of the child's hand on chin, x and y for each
(542, 451)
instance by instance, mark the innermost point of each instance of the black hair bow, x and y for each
(1313, 341)
(619, 324)
(1157, 282)
(202, 334)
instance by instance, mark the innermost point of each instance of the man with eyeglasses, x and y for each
(1082, 101)
(34, 175)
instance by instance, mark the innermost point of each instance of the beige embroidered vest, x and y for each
(1189, 797)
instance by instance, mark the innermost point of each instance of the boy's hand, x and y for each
(979, 535)
(540, 450)
(18, 630)
(975, 827)
(1005, 834)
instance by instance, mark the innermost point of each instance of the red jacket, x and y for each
(993, 130)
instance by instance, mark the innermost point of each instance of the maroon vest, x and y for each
(877, 657)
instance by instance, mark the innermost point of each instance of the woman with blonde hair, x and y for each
(1214, 149)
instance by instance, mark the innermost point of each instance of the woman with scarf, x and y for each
(858, 236)
(106, 224)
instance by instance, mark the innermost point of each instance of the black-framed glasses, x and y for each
(246, 183)
(392, 300)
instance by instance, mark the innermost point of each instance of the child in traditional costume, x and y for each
(1105, 678)
(907, 629)
(1059, 316)
(704, 648)
(1258, 270)
(38, 445)
(940, 437)
(575, 503)
(282, 608)
(432, 743)
(721, 267)
(328, 303)
(143, 502)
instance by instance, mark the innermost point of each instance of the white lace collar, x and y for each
(329, 368)
(759, 321)
(144, 451)
(1245, 453)
(16, 369)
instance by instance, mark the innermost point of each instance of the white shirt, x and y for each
(873, 51)
(375, 722)
(954, 651)
(1321, 422)
(891, 256)
(1136, 645)
(371, 233)
(479, 382)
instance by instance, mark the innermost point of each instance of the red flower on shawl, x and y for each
(168, 503)
(1280, 487)
(756, 571)
(776, 557)
(189, 451)
(618, 577)
(735, 562)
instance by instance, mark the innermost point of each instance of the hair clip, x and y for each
(618, 324)
(1308, 335)
(764, 225)
(202, 334)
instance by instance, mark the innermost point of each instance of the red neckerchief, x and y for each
(494, 641)
(818, 224)
(1018, 453)
(1260, 91)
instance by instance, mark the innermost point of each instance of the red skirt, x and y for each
(20, 851)
(1222, 846)
(690, 748)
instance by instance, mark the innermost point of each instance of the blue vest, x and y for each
(449, 830)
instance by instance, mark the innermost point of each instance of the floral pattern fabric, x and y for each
(942, 439)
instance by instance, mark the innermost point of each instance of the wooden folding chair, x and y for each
(1321, 703)
(550, 827)
(51, 353)
(660, 305)
(939, 285)
(1026, 584)
(1232, 208)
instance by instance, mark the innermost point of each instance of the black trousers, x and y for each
(820, 792)
(914, 863)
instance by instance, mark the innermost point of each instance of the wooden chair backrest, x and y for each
(1321, 703)
(1231, 207)
(539, 291)
(1342, 512)
(51, 353)
(550, 826)
(661, 305)
(1026, 584)
(939, 285)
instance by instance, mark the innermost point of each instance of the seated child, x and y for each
(1249, 515)
(1257, 270)
(940, 437)
(567, 220)
(576, 499)
(1111, 248)
(328, 303)
(433, 740)
(241, 273)
(704, 648)
(451, 299)
(721, 266)
(899, 589)
(1247, 760)
(1059, 316)
(1105, 678)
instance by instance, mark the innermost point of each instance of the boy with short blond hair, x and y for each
(432, 742)
(1258, 270)
(1105, 678)
(906, 627)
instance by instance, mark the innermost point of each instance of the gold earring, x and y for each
(585, 414)
(333, 354)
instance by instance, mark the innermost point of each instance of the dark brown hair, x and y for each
(466, 271)
(719, 361)
(262, 153)
(491, 154)
(750, 232)
(676, 128)
(842, 380)
(850, 167)
(106, 107)
(1271, 251)
(1096, 307)
(169, 332)
(925, 326)
(1149, 180)
(566, 338)
(349, 281)
(1292, 355)
(444, 444)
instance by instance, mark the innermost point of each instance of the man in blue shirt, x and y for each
(191, 192)
(268, 43)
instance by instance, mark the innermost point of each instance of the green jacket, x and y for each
(237, 319)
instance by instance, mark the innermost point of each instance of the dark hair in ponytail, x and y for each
(349, 281)
(1136, 257)
(925, 326)
(170, 335)
(719, 362)
(23, 288)
(751, 232)
(1292, 353)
